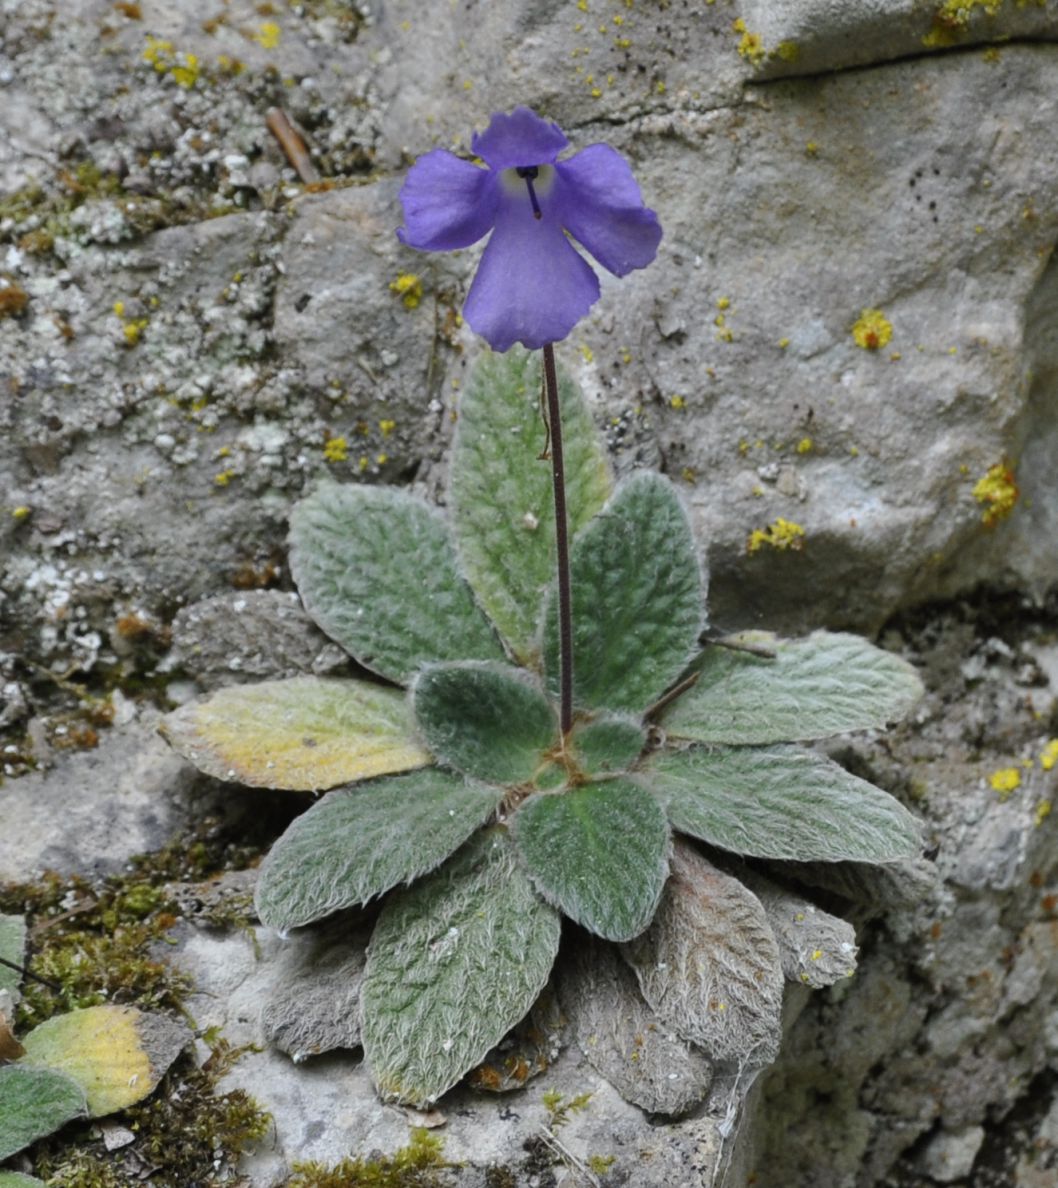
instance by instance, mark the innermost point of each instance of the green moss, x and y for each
(49, 207)
(418, 1165)
(95, 941)
(185, 1131)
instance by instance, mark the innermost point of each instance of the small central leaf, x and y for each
(359, 842)
(598, 852)
(454, 963)
(637, 599)
(608, 744)
(487, 720)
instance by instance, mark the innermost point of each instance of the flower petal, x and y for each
(599, 203)
(521, 138)
(532, 285)
(448, 203)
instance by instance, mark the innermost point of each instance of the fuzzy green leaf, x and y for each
(13, 949)
(455, 961)
(377, 569)
(302, 734)
(359, 842)
(35, 1102)
(608, 744)
(487, 720)
(781, 802)
(598, 852)
(501, 495)
(638, 594)
(821, 685)
(709, 964)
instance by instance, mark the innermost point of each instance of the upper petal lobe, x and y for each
(448, 203)
(521, 138)
(599, 203)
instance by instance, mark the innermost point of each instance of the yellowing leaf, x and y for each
(303, 734)
(116, 1054)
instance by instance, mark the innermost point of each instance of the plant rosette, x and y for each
(451, 793)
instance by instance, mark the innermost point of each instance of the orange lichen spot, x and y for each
(782, 535)
(1049, 755)
(872, 330)
(409, 287)
(1005, 781)
(998, 492)
(335, 449)
(268, 35)
(130, 10)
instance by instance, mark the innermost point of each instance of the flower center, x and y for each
(530, 173)
(538, 180)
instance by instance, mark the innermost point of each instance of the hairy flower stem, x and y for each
(565, 614)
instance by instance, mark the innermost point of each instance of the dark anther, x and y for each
(529, 172)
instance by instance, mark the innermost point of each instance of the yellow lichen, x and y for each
(781, 534)
(165, 59)
(678, 403)
(723, 303)
(1043, 811)
(804, 446)
(224, 478)
(382, 459)
(387, 427)
(1049, 755)
(783, 343)
(409, 287)
(872, 330)
(998, 491)
(267, 37)
(335, 449)
(751, 45)
(21, 512)
(1004, 781)
(787, 51)
(586, 353)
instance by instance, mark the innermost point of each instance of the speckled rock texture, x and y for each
(846, 355)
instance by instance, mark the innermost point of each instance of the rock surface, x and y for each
(189, 337)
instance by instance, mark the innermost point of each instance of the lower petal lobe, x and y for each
(532, 286)
(448, 203)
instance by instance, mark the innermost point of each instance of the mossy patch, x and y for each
(418, 1165)
(95, 941)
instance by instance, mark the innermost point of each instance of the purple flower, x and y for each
(532, 286)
